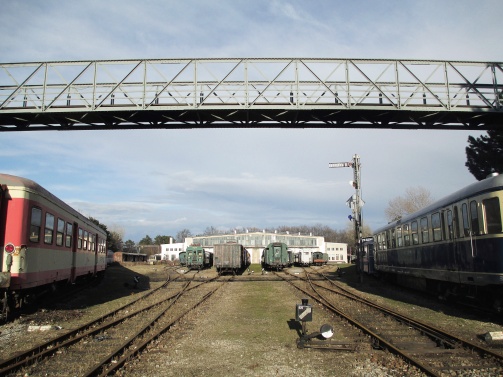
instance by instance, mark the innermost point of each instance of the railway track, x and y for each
(118, 336)
(432, 350)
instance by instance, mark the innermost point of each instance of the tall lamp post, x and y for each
(355, 202)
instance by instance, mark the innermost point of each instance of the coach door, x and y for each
(452, 236)
(74, 251)
(95, 249)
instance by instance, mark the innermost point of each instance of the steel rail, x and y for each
(432, 332)
(383, 343)
(26, 357)
(436, 333)
(123, 356)
(50, 347)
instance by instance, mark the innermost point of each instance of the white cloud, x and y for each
(161, 181)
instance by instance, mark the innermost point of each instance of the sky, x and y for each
(159, 182)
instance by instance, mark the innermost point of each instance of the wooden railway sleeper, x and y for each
(120, 360)
(50, 347)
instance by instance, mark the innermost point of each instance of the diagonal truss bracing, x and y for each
(185, 93)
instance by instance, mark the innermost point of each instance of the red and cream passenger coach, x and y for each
(43, 241)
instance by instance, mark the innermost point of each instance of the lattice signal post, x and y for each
(355, 202)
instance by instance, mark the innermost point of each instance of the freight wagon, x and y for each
(230, 257)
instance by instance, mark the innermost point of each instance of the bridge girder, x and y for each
(234, 93)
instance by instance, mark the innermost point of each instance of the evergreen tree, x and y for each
(484, 155)
(147, 240)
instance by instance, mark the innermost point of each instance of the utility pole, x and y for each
(355, 202)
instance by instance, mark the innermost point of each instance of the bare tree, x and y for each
(182, 235)
(348, 234)
(415, 199)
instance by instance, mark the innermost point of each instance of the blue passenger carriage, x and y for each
(453, 247)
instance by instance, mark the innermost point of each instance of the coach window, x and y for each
(492, 213)
(435, 224)
(450, 228)
(415, 236)
(84, 246)
(424, 230)
(49, 228)
(406, 235)
(474, 217)
(388, 242)
(69, 235)
(60, 232)
(399, 236)
(466, 225)
(81, 235)
(35, 224)
(455, 221)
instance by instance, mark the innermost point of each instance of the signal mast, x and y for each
(355, 202)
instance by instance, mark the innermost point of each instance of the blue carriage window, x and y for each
(435, 224)
(406, 235)
(424, 230)
(474, 216)
(466, 225)
(450, 228)
(492, 214)
(415, 236)
(399, 236)
(35, 224)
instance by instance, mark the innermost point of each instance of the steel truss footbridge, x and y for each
(282, 93)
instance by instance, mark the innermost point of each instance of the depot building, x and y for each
(255, 242)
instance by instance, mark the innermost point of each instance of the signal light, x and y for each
(9, 248)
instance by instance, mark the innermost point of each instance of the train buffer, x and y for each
(318, 339)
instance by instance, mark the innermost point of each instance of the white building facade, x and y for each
(170, 251)
(255, 242)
